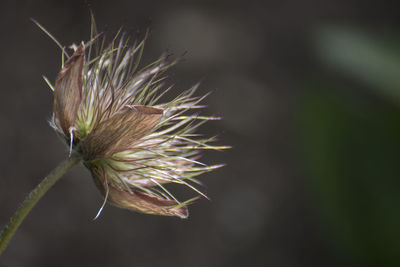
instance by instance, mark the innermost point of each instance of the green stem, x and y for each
(31, 200)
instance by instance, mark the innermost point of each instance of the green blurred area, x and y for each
(351, 144)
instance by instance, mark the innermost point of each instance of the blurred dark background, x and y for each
(310, 95)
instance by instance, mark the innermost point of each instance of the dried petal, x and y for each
(146, 203)
(68, 90)
(120, 132)
(136, 200)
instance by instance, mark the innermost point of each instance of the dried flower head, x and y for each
(110, 112)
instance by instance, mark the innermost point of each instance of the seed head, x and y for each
(110, 112)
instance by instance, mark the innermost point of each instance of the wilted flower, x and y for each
(133, 143)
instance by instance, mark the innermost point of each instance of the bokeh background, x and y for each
(310, 95)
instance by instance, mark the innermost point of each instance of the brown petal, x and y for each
(135, 200)
(68, 90)
(146, 203)
(120, 132)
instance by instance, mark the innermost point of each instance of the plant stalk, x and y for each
(31, 200)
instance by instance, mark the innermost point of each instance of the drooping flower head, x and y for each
(110, 112)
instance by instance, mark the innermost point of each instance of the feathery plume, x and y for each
(110, 112)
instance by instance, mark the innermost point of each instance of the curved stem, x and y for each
(31, 200)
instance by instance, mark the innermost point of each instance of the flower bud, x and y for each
(134, 144)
